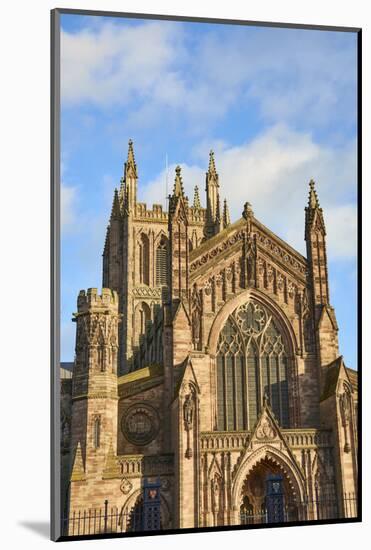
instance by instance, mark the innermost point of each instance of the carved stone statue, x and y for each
(344, 402)
(344, 407)
(188, 411)
(188, 414)
(196, 328)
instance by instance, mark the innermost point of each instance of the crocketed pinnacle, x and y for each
(226, 217)
(212, 169)
(313, 198)
(131, 157)
(196, 198)
(217, 210)
(130, 165)
(313, 212)
(115, 212)
(178, 184)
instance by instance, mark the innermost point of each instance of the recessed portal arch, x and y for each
(249, 491)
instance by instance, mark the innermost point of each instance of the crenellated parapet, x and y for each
(97, 344)
(91, 299)
(157, 214)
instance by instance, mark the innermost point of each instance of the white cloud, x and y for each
(342, 230)
(116, 63)
(272, 172)
(154, 192)
(289, 74)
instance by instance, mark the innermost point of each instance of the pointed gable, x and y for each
(267, 435)
(112, 468)
(78, 470)
(182, 333)
(336, 373)
(184, 375)
(328, 318)
(266, 427)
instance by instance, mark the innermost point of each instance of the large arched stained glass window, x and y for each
(252, 362)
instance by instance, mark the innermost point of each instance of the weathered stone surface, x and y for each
(149, 384)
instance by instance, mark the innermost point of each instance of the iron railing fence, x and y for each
(315, 509)
(95, 521)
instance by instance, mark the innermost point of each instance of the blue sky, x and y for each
(278, 106)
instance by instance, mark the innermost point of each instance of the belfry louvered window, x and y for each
(144, 259)
(161, 263)
(251, 363)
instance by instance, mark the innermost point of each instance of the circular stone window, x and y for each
(140, 424)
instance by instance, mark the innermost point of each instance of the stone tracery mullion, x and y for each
(253, 361)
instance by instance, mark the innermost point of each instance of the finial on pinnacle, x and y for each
(247, 210)
(178, 184)
(212, 168)
(130, 165)
(115, 211)
(313, 199)
(131, 150)
(226, 217)
(196, 198)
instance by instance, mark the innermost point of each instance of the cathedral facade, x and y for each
(206, 373)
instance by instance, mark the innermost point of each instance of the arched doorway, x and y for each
(131, 515)
(253, 504)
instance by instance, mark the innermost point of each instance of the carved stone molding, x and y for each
(147, 292)
(126, 486)
(280, 253)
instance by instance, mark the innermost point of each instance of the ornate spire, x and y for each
(226, 217)
(128, 188)
(313, 201)
(130, 165)
(315, 236)
(213, 217)
(217, 210)
(212, 169)
(196, 199)
(116, 211)
(178, 184)
(313, 210)
(122, 190)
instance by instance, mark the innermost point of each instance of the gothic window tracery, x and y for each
(252, 361)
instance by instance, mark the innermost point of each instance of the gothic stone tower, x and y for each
(228, 367)
(94, 390)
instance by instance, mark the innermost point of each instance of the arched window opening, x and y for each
(144, 259)
(161, 263)
(252, 362)
(96, 433)
(100, 358)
